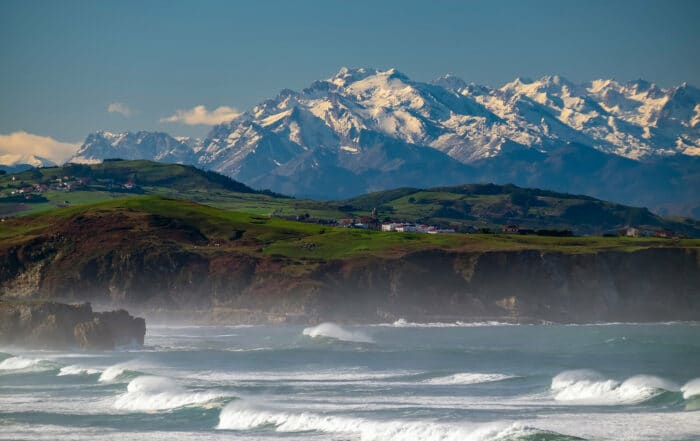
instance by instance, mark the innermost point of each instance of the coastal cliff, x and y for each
(178, 260)
(434, 285)
(54, 325)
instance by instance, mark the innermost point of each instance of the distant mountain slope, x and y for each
(364, 129)
(665, 184)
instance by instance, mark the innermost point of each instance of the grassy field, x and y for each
(262, 235)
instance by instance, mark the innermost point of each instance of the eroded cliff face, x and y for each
(203, 283)
(522, 286)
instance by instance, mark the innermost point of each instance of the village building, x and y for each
(404, 227)
(631, 232)
(665, 233)
(346, 222)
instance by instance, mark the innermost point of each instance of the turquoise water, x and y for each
(397, 381)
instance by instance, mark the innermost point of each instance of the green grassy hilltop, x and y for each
(202, 227)
(472, 207)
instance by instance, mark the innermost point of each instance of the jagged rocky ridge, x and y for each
(54, 325)
(364, 130)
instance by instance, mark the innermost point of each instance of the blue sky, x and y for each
(65, 62)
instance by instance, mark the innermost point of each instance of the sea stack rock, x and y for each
(54, 325)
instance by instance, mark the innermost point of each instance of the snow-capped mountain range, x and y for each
(156, 146)
(15, 162)
(366, 129)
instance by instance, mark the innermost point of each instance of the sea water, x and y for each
(398, 381)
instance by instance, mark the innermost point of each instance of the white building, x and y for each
(413, 228)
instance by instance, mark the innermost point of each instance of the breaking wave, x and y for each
(23, 364)
(691, 389)
(77, 370)
(150, 393)
(590, 387)
(335, 332)
(237, 416)
(468, 378)
(117, 373)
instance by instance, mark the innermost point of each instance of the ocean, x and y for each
(398, 381)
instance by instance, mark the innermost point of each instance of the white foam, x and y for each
(23, 364)
(403, 323)
(324, 377)
(691, 388)
(238, 416)
(623, 426)
(468, 378)
(112, 374)
(590, 387)
(77, 370)
(260, 349)
(45, 432)
(333, 331)
(146, 393)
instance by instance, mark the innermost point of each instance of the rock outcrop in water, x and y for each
(59, 325)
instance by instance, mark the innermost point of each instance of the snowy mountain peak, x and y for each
(348, 75)
(365, 120)
(466, 121)
(450, 82)
(557, 80)
(395, 74)
(550, 84)
(158, 146)
(640, 86)
(17, 159)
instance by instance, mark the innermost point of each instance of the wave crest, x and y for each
(335, 332)
(590, 387)
(77, 370)
(119, 373)
(148, 393)
(19, 363)
(691, 389)
(236, 416)
(468, 378)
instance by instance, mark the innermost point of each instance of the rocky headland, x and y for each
(175, 260)
(53, 325)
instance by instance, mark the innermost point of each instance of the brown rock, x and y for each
(93, 335)
(57, 325)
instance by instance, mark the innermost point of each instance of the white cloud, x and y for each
(23, 144)
(120, 108)
(200, 115)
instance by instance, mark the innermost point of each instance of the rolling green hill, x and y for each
(490, 206)
(78, 184)
(208, 228)
(472, 207)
